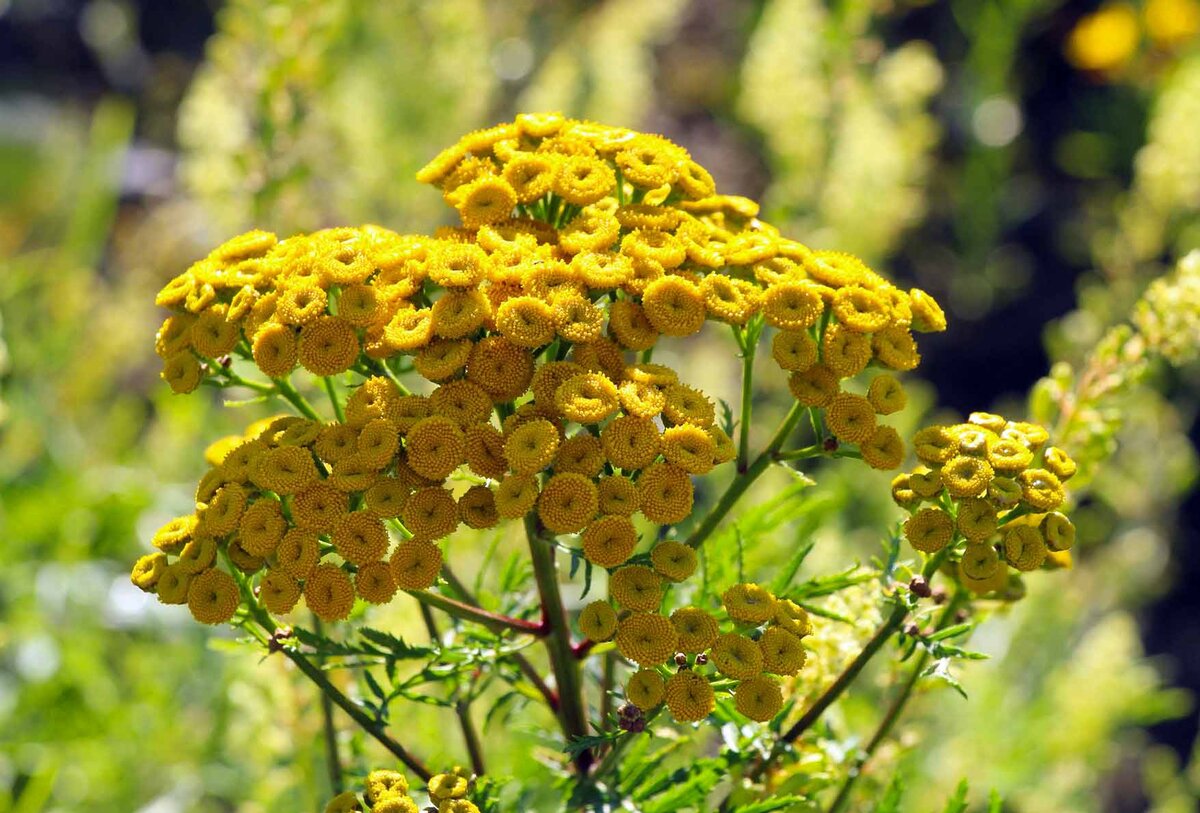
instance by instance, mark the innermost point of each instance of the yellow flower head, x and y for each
(445, 786)
(173, 583)
(568, 502)
(737, 656)
(636, 587)
(148, 570)
(792, 617)
(966, 476)
(686, 404)
(850, 418)
(328, 592)
(976, 519)
(279, 592)
(477, 508)
(531, 446)
(262, 527)
(581, 179)
(749, 603)
(618, 495)
(415, 564)
(759, 698)
(794, 350)
(598, 621)
(582, 454)
(645, 689)
(587, 398)
(883, 449)
(360, 537)
(430, 513)
(689, 447)
(697, 629)
(845, 352)
(182, 372)
(673, 560)
(1024, 547)
(516, 495)
(792, 305)
(929, 530)
(665, 493)
(647, 639)
(815, 386)
(609, 541)
(894, 347)
(783, 654)
(1058, 463)
(435, 447)
(1057, 531)
(485, 200)
(381, 784)
(212, 596)
(171, 538)
(861, 310)
(674, 306)
(886, 394)
(927, 315)
(375, 583)
(526, 321)
(1040, 489)
(689, 697)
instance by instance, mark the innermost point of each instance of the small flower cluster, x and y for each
(763, 639)
(291, 494)
(996, 485)
(387, 792)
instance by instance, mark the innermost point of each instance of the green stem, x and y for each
(800, 454)
(331, 746)
(893, 713)
(749, 345)
(284, 387)
(333, 399)
(743, 480)
(357, 714)
(468, 612)
(571, 712)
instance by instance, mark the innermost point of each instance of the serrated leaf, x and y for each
(940, 670)
(374, 686)
(397, 647)
(995, 802)
(580, 744)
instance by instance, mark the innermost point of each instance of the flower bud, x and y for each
(920, 587)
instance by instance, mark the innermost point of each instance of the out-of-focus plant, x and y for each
(850, 139)
(307, 113)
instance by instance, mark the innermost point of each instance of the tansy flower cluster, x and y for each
(994, 485)
(684, 658)
(387, 792)
(502, 370)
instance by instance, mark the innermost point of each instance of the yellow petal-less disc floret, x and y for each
(929, 530)
(647, 639)
(665, 493)
(415, 564)
(759, 698)
(328, 592)
(598, 621)
(212, 596)
(645, 689)
(749, 603)
(673, 560)
(696, 628)
(609, 541)
(689, 697)
(636, 587)
(568, 502)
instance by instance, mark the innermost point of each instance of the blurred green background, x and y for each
(1033, 164)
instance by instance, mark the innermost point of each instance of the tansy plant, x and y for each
(503, 371)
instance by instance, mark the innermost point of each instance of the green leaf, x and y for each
(784, 579)
(768, 805)
(958, 802)
(940, 670)
(892, 796)
(950, 632)
(995, 802)
(581, 744)
(397, 647)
